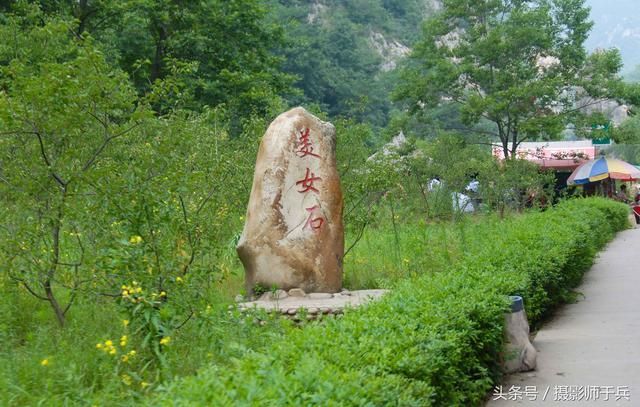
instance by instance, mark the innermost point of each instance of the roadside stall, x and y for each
(599, 176)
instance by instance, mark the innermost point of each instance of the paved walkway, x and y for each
(590, 351)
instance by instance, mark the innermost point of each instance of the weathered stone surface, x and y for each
(327, 304)
(320, 296)
(279, 295)
(293, 235)
(519, 354)
(272, 296)
(297, 292)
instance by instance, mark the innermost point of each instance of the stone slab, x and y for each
(327, 304)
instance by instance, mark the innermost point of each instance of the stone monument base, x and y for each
(296, 302)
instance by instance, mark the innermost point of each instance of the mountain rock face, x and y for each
(344, 51)
(391, 51)
(316, 12)
(611, 109)
(294, 236)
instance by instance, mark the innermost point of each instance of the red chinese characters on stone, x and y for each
(307, 183)
(306, 148)
(314, 223)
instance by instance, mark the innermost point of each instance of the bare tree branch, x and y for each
(361, 232)
(26, 285)
(209, 196)
(185, 269)
(185, 321)
(106, 141)
(74, 294)
(43, 153)
(16, 132)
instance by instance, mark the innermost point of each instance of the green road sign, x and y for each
(601, 133)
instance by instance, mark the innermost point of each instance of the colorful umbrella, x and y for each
(602, 168)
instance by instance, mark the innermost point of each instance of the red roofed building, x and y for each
(557, 155)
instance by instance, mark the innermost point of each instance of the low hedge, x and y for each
(435, 340)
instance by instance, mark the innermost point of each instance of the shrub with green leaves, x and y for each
(436, 339)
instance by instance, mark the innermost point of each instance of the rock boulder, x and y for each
(293, 235)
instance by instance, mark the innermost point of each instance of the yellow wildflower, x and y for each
(123, 341)
(144, 385)
(44, 362)
(135, 239)
(165, 340)
(125, 322)
(126, 379)
(179, 280)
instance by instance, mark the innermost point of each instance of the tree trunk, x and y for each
(158, 58)
(82, 14)
(55, 235)
(504, 138)
(514, 143)
(57, 309)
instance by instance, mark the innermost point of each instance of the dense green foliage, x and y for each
(253, 56)
(436, 339)
(223, 50)
(519, 66)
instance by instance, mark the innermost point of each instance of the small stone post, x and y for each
(520, 355)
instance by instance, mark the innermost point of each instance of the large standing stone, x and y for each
(293, 236)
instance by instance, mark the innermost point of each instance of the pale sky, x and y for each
(617, 24)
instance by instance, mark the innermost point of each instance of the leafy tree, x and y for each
(61, 108)
(518, 65)
(98, 191)
(230, 41)
(229, 44)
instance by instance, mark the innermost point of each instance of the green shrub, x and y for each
(436, 339)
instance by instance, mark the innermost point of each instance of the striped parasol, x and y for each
(602, 168)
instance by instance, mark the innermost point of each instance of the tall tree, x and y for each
(518, 65)
(225, 49)
(62, 108)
